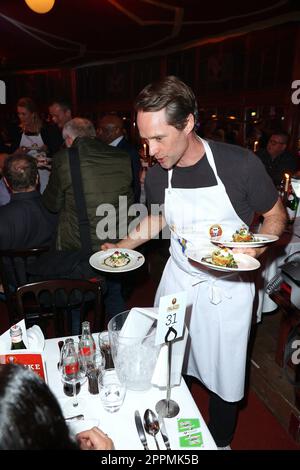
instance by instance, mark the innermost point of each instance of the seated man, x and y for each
(24, 221)
(276, 158)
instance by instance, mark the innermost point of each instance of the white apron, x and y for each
(34, 143)
(220, 303)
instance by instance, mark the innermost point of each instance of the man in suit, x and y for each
(110, 130)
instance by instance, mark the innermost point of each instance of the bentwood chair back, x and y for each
(13, 273)
(58, 299)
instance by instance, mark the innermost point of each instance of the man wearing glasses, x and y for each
(276, 158)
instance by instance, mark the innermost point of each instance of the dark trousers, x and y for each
(222, 419)
(113, 298)
(222, 416)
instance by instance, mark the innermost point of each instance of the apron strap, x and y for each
(216, 293)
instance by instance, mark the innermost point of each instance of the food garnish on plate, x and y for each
(243, 235)
(117, 260)
(223, 257)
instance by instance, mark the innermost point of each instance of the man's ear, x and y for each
(190, 124)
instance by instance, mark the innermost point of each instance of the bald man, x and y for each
(110, 129)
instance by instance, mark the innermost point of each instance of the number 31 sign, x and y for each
(171, 315)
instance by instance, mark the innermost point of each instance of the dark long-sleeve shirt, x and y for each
(285, 162)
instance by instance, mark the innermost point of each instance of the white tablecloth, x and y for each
(120, 426)
(289, 243)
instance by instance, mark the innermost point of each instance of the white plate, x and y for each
(97, 260)
(244, 262)
(261, 239)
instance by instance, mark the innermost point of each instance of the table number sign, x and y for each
(171, 315)
(170, 324)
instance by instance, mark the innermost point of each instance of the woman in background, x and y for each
(34, 138)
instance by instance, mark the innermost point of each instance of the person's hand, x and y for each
(21, 150)
(94, 439)
(42, 161)
(254, 252)
(107, 246)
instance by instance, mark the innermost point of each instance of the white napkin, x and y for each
(36, 339)
(160, 374)
(137, 325)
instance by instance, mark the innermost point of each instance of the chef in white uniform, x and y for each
(220, 303)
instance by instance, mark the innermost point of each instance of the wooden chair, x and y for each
(13, 273)
(55, 299)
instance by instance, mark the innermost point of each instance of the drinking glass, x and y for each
(104, 345)
(112, 391)
(94, 369)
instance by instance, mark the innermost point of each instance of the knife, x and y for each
(140, 429)
(74, 418)
(164, 432)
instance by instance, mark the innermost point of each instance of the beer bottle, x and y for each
(16, 338)
(291, 203)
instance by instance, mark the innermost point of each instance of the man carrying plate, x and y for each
(208, 189)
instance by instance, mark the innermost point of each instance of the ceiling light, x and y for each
(40, 6)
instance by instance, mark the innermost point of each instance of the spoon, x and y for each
(151, 424)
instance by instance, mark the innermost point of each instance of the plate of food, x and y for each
(222, 259)
(117, 260)
(244, 238)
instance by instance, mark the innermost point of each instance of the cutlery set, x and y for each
(152, 425)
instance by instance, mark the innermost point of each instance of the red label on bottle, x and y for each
(85, 350)
(72, 369)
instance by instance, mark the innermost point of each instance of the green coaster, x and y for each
(192, 440)
(188, 424)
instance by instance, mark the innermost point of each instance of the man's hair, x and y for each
(79, 127)
(172, 94)
(282, 134)
(63, 104)
(20, 172)
(30, 416)
(28, 103)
